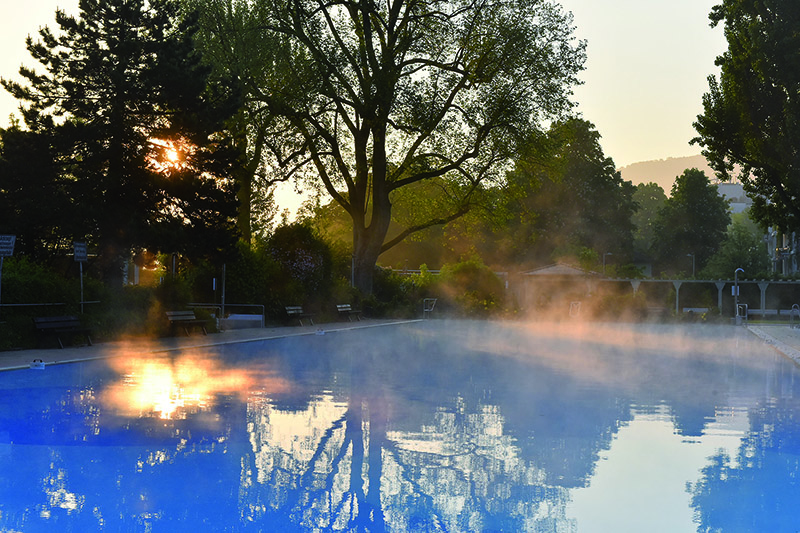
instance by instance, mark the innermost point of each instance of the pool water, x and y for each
(431, 426)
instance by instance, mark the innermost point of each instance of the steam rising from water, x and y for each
(610, 353)
(438, 425)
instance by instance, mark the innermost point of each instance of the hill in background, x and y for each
(664, 171)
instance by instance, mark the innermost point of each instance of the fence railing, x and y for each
(218, 308)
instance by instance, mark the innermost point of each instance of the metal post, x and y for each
(81, 267)
(604, 261)
(736, 291)
(223, 291)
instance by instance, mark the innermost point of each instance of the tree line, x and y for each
(161, 127)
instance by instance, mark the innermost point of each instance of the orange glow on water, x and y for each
(174, 387)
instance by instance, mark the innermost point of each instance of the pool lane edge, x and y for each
(783, 339)
(18, 361)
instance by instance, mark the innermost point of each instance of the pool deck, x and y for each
(782, 338)
(21, 359)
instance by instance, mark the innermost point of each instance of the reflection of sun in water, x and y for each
(175, 388)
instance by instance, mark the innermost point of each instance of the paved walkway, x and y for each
(19, 359)
(783, 338)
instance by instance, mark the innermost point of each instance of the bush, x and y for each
(470, 289)
(304, 264)
(393, 295)
(619, 306)
(27, 282)
(251, 278)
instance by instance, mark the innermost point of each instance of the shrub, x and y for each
(304, 263)
(470, 288)
(27, 282)
(393, 295)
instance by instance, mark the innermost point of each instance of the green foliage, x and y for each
(751, 114)
(235, 46)
(393, 295)
(369, 98)
(617, 306)
(129, 310)
(250, 279)
(589, 259)
(743, 247)
(304, 264)
(692, 221)
(573, 199)
(35, 204)
(471, 289)
(25, 281)
(649, 198)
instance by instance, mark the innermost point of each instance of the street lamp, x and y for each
(692, 256)
(604, 261)
(736, 289)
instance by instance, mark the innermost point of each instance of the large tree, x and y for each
(374, 96)
(649, 198)
(35, 200)
(692, 221)
(571, 200)
(122, 95)
(743, 247)
(750, 124)
(233, 44)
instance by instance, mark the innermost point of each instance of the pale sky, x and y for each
(648, 61)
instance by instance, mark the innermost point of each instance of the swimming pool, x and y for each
(432, 426)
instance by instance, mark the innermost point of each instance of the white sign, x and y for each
(79, 250)
(7, 245)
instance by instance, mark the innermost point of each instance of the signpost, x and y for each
(6, 250)
(81, 256)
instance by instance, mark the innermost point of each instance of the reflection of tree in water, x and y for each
(757, 490)
(347, 470)
(382, 438)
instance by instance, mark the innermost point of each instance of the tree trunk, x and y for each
(366, 249)
(244, 193)
(368, 237)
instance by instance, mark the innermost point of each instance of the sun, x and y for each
(168, 155)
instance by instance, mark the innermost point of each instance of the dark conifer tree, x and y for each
(124, 96)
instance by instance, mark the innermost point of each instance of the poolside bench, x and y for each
(186, 320)
(295, 312)
(61, 325)
(346, 310)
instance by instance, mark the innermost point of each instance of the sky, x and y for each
(646, 72)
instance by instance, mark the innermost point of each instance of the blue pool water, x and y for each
(434, 426)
